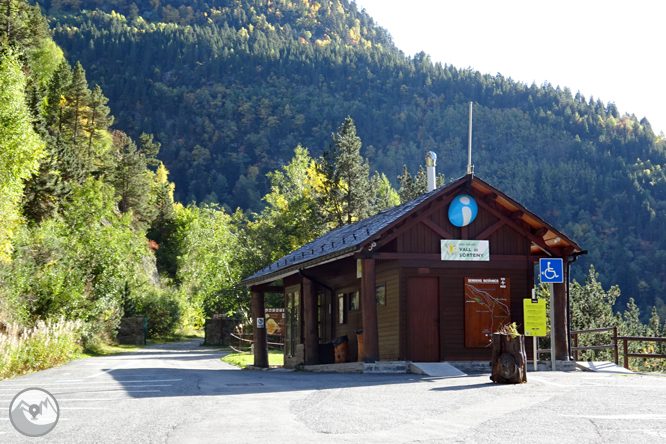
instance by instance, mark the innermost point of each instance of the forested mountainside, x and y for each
(231, 87)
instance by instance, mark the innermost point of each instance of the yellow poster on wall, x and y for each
(535, 317)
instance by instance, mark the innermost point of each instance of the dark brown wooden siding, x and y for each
(340, 275)
(422, 239)
(388, 316)
(505, 242)
(452, 305)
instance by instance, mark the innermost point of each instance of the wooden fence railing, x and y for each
(250, 343)
(627, 355)
(614, 345)
(575, 348)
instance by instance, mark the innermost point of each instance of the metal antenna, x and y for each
(470, 167)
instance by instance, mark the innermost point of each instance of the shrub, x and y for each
(46, 345)
(163, 310)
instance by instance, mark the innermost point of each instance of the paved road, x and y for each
(183, 393)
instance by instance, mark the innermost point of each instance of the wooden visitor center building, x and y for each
(429, 280)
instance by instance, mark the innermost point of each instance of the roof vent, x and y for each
(431, 163)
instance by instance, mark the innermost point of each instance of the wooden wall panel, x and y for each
(483, 221)
(388, 316)
(421, 239)
(353, 322)
(452, 306)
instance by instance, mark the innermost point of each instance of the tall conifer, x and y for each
(98, 119)
(77, 96)
(349, 191)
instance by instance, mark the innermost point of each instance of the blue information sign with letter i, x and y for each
(551, 271)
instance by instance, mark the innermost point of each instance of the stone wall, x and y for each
(297, 359)
(132, 331)
(218, 331)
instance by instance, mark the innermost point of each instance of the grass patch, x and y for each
(242, 360)
(180, 335)
(102, 349)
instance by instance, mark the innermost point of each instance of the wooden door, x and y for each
(423, 319)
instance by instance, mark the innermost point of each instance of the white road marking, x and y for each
(629, 385)
(91, 386)
(72, 383)
(108, 391)
(533, 378)
(110, 370)
(613, 417)
(80, 400)
(84, 408)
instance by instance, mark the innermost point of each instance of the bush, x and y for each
(46, 345)
(162, 308)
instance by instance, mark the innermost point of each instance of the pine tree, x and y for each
(55, 97)
(98, 119)
(149, 149)
(77, 95)
(130, 180)
(350, 192)
(413, 188)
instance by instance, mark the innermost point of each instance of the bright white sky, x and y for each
(609, 49)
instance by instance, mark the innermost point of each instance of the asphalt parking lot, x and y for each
(183, 393)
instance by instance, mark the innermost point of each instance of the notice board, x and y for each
(275, 321)
(487, 309)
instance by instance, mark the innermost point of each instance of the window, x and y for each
(342, 315)
(380, 295)
(354, 301)
(322, 316)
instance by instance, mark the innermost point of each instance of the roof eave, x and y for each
(301, 266)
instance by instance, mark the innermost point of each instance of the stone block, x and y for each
(132, 331)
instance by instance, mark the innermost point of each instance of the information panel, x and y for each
(487, 309)
(275, 320)
(465, 250)
(535, 317)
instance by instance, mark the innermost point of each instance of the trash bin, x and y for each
(359, 336)
(326, 353)
(341, 348)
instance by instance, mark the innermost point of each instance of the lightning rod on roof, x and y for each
(470, 167)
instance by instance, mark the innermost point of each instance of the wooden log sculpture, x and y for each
(509, 364)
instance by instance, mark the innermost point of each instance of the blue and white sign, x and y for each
(551, 271)
(463, 210)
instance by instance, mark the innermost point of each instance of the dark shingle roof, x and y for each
(343, 241)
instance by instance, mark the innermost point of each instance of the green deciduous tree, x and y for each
(20, 148)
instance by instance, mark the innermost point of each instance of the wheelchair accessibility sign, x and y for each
(551, 271)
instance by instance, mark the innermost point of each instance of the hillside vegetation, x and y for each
(226, 95)
(231, 87)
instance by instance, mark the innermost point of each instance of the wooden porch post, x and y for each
(560, 312)
(260, 342)
(311, 333)
(369, 307)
